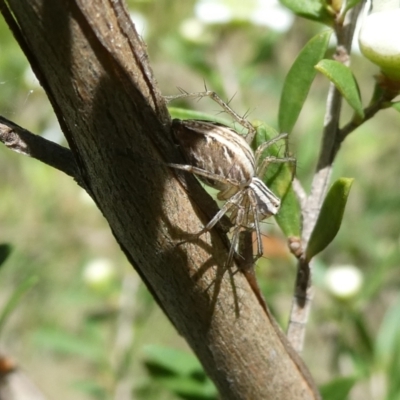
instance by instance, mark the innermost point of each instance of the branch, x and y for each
(24, 142)
(302, 300)
(94, 68)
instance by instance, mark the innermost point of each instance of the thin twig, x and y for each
(24, 142)
(124, 337)
(369, 112)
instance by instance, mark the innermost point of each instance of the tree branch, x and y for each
(24, 142)
(94, 68)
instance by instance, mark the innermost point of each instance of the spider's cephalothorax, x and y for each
(224, 160)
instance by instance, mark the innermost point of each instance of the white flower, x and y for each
(98, 272)
(344, 281)
(192, 29)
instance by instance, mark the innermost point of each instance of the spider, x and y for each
(224, 160)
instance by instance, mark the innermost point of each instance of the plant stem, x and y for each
(312, 205)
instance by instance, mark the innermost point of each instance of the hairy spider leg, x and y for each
(262, 167)
(240, 216)
(242, 222)
(206, 174)
(214, 96)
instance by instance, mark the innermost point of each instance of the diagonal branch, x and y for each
(94, 68)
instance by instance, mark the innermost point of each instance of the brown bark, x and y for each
(95, 71)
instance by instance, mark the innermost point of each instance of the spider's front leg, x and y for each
(203, 173)
(262, 167)
(251, 131)
(269, 143)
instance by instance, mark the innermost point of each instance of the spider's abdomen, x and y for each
(218, 150)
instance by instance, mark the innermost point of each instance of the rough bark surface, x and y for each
(95, 71)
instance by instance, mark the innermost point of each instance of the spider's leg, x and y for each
(203, 172)
(235, 235)
(269, 143)
(227, 206)
(212, 95)
(254, 209)
(234, 200)
(212, 222)
(276, 160)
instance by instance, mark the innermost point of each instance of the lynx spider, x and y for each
(224, 160)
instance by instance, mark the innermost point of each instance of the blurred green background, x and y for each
(78, 334)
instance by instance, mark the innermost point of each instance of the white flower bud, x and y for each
(379, 37)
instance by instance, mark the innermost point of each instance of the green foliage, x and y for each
(316, 10)
(338, 389)
(15, 299)
(299, 79)
(55, 232)
(387, 349)
(350, 4)
(396, 105)
(330, 217)
(344, 80)
(18, 293)
(182, 113)
(279, 179)
(87, 344)
(180, 372)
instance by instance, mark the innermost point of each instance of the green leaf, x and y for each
(299, 79)
(15, 298)
(330, 217)
(66, 343)
(182, 113)
(342, 77)
(5, 251)
(396, 106)
(315, 10)
(174, 361)
(180, 372)
(350, 4)
(279, 179)
(189, 387)
(91, 388)
(338, 389)
(388, 338)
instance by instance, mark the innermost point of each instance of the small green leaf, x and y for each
(188, 387)
(396, 106)
(279, 179)
(299, 79)
(5, 251)
(342, 77)
(388, 338)
(60, 341)
(176, 362)
(350, 4)
(182, 113)
(330, 217)
(315, 10)
(338, 389)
